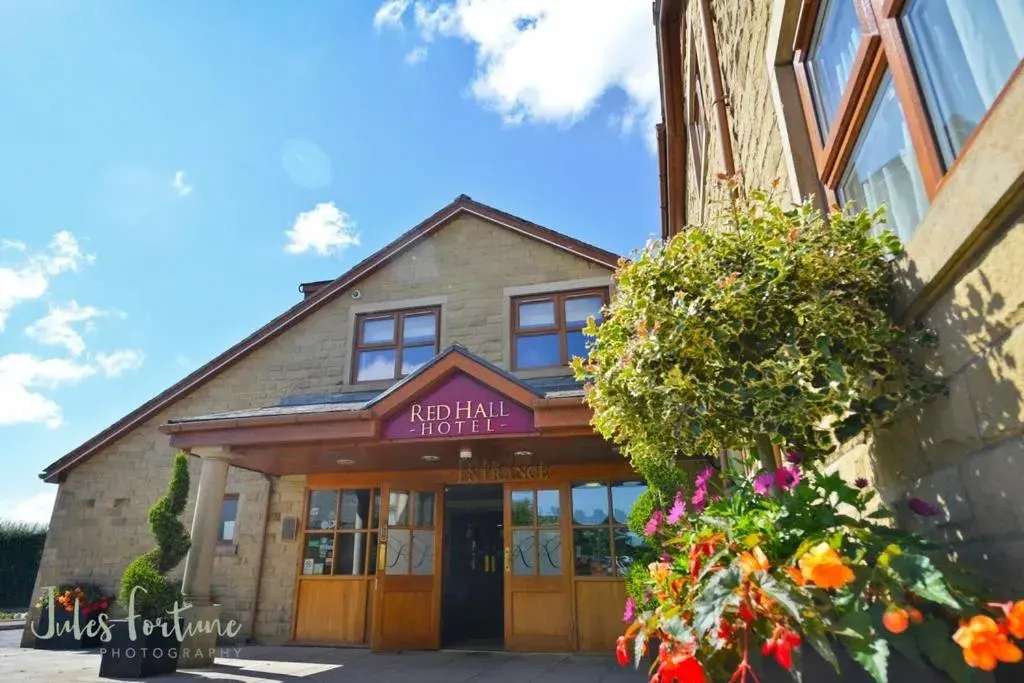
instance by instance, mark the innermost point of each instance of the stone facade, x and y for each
(99, 518)
(963, 277)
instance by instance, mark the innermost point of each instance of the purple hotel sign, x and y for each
(459, 406)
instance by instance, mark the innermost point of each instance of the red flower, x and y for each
(781, 644)
(621, 653)
(745, 614)
(680, 668)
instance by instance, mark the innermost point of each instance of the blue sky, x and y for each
(170, 172)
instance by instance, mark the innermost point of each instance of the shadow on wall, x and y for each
(965, 451)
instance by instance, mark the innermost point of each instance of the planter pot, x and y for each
(64, 637)
(146, 655)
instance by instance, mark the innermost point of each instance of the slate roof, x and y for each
(545, 387)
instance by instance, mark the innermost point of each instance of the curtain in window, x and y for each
(965, 51)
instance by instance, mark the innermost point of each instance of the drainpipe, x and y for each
(721, 113)
(262, 556)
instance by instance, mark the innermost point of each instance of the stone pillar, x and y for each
(197, 648)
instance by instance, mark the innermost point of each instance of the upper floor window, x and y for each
(696, 121)
(547, 330)
(392, 345)
(893, 89)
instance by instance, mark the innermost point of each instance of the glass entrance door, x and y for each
(407, 599)
(538, 605)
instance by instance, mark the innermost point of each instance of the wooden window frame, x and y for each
(882, 48)
(399, 316)
(535, 527)
(696, 118)
(611, 525)
(372, 531)
(412, 525)
(220, 527)
(560, 327)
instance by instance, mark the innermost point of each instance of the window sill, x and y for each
(225, 549)
(538, 373)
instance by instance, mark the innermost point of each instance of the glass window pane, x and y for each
(352, 550)
(228, 517)
(837, 37)
(318, 554)
(883, 170)
(524, 551)
(549, 552)
(376, 508)
(590, 504)
(375, 365)
(592, 552)
(578, 344)
(396, 558)
(548, 508)
(398, 508)
(964, 52)
(371, 557)
(577, 310)
(624, 495)
(323, 510)
(423, 507)
(626, 546)
(419, 328)
(522, 508)
(379, 330)
(537, 351)
(537, 314)
(355, 509)
(415, 357)
(423, 552)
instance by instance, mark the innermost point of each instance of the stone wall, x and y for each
(964, 451)
(99, 519)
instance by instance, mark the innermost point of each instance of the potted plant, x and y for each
(146, 643)
(61, 607)
(768, 331)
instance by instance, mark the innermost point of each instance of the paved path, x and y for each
(258, 664)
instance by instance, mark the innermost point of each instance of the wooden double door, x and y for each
(534, 564)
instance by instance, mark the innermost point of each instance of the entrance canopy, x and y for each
(457, 408)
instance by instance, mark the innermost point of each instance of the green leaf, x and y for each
(785, 595)
(872, 654)
(880, 513)
(933, 639)
(923, 578)
(855, 625)
(718, 593)
(820, 643)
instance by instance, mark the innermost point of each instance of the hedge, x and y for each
(21, 547)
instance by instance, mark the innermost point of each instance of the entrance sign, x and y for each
(458, 406)
(495, 471)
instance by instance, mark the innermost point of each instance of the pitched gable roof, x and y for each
(321, 295)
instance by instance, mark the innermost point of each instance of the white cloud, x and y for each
(550, 61)
(180, 185)
(416, 56)
(118, 362)
(15, 245)
(35, 509)
(325, 230)
(55, 329)
(22, 374)
(389, 14)
(30, 279)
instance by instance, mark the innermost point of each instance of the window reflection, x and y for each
(602, 544)
(836, 41)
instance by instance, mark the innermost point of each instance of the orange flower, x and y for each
(824, 567)
(753, 562)
(660, 570)
(896, 619)
(795, 575)
(1015, 619)
(985, 644)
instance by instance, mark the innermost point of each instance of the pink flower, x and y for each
(763, 483)
(787, 477)
(704, 477)
(630, 613)
(860, 482)
(653, 523)
(922, 507)
(678, 509)
(700, 500)
(794, 458)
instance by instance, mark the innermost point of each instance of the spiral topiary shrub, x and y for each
(157, 594)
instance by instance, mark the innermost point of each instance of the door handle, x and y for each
(508, 559)
(488, 567)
